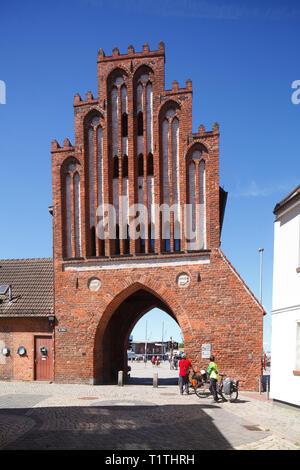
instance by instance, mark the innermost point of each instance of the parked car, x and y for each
(131, 355)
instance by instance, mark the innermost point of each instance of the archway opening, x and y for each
(116, 327)
(154, 341)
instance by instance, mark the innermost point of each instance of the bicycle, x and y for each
(199, 383)
(228, 387)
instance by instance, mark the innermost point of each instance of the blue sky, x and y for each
(242, 57)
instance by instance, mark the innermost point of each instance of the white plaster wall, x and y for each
(166, 177)
(116, 197)
(149, 118)
(285, 386)
(114, 117)
(202, 206)
(68, 216)
(100, 169)
(77, 215)
(91, 177)
(150, 196)
(286, 281)
(191, 215)
(175, 164)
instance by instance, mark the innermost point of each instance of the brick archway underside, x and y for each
(110, 353)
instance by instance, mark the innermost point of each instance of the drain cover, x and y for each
(252, 428)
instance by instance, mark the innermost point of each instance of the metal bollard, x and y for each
(268, 386)
(155, 380)
(120, 378)
(259, 385)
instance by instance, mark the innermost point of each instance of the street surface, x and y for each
(137, 416)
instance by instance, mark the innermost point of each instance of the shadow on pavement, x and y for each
(149, 381)
(112, 428)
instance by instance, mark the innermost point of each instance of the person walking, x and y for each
(184, 369)
(175, 362)
(212, 371)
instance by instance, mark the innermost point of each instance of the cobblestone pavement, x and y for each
(137, 416)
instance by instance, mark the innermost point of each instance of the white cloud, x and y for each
(252, 189)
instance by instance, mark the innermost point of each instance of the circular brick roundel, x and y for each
(94, 284)
(183, 280)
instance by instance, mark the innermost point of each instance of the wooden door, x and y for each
(43, 358)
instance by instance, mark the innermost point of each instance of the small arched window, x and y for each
(141, 165)
(150, 165)
(116, 168)
(140, 123)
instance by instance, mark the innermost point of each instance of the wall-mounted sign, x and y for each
(62, 329)
(94, 284)
(183, 280)
(206, 351)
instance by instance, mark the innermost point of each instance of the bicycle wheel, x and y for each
(233, 396)
(201, 390)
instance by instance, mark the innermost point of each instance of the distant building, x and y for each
(152, 348)
(285, 352)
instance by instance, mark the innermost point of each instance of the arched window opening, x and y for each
(93, 241)
(151, 236)
(141, 165)
(150, 165)
(126, 242)
(124, 125)
(116, 167)
(140, 123)
(117, 240)
(125, 167)
(177, 236)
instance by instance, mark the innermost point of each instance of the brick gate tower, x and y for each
(137, 216)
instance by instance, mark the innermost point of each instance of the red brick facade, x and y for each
(103, 287)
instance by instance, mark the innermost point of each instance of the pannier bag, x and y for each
(234, 385)
(230, 386)
(195, 379)
(204, 375)
(227, 386)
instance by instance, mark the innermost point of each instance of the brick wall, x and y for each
(16, 332)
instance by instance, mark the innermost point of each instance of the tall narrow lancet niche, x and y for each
(143, 156)
(171, 225)
(94, 179)
(196, 208)
(70, 185)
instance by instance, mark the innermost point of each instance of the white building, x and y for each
(285, 353)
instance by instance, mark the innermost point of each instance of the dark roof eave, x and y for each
(288, 200)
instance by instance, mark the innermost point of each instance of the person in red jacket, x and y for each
(184, 369)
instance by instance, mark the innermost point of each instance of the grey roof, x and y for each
(31, 283)
(288, 200)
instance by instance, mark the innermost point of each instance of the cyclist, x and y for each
(214, 387)
(212, 371)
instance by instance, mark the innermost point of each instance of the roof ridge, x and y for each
(26, 259)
